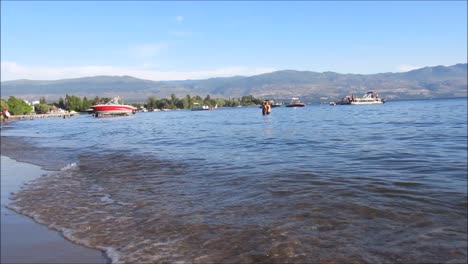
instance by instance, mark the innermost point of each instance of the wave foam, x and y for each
(69, 166)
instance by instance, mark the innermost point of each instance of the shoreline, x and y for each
(34, 116)
(22, 234)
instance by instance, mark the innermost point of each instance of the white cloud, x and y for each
(13, 71)
(148, 50)
(180, 19)
(407, 67)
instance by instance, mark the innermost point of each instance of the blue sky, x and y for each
(194, 40)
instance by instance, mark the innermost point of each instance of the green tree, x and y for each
(173, 101)
(186, 102)
(18, 106)
(4, 105)
(73, 103)
(96, 100)
(86, 104)
(61, 103)
(179, 104)
(152, 102)
(257, 101)
(41, 108)
(247, 100)
(235, 103)
(42, 100)
(164, 104)
(197, 99)
(208, 101)
(220, 102)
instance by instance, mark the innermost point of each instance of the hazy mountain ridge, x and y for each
(427, 82)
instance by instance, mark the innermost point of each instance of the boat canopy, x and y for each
(114, 100)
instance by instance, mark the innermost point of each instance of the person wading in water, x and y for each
(6, 115)
(266, 108)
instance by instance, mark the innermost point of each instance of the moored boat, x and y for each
(275, 104)
(113, 107)
(198, 107)
(295, 103)
(368, 98)
(344, 101)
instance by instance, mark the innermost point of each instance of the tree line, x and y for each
(17, 106)
(188, 101)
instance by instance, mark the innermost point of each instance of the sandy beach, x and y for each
(25, 241)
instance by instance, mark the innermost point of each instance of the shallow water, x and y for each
(23, 240)
(371, 183)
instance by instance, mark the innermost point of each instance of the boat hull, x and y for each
(342, 103)
(366, 103)
(295, 105)
(198, 107)
(113, 109)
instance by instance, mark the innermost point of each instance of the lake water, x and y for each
(370, 183)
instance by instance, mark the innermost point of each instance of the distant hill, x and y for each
(427, 82)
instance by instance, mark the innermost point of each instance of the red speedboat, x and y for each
(113, 107)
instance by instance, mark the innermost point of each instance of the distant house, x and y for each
(55, 110)
(32, 103)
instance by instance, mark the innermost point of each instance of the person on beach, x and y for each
(5, 114)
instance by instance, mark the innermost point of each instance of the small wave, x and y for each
(113, 254)
(69, 166)
(96, 187)
(106, 199)
(68, 233)
(407, 184)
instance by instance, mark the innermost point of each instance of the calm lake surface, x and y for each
(370, 183)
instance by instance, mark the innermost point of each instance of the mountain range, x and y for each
(423, 83)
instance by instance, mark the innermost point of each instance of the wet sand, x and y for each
(25, 241)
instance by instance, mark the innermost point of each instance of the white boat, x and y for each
(198, 107)
(275, 104)
(368, 98)
(295, 103)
